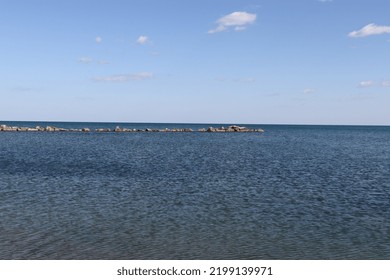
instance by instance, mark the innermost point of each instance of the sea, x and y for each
(293, 192)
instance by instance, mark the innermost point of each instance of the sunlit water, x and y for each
(293, 192)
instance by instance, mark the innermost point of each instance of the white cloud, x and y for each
(366, 84)
(125, 78)
(238, 20)
(239, 28)
(309, 91)
(88, 60)
(98, 39)
(142, 40)
(85, 60)
(325, 1)
(386, 83)
(370, 29)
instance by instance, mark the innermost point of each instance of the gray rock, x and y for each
(102, 130)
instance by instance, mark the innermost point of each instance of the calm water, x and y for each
(294, 192)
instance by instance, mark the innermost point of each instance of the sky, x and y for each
(204, 61)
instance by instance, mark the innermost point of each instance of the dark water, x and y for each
(294, 192)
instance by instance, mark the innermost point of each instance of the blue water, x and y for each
(293, 192)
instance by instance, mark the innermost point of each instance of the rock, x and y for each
(102, 130)
(202, 130)
(236, 128)
(6, 128)
(85, 129)
(118, 129)
(53, 128)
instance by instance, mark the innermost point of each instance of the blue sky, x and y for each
(226, 61)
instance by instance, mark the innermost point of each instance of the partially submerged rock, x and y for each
(232, 128)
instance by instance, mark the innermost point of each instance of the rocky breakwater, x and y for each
(232, 128)
(119, 129)
(4, 127)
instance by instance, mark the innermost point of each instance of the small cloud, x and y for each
(238, 20)
(325, 1)
(142, 40)
(98, 39)
(85, 60)
(125, 78)
(386, 83)
(309, 91)
(366, 84)
(370, 29)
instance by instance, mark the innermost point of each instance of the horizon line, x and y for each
(193, 123)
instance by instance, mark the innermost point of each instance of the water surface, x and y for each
(293, 192)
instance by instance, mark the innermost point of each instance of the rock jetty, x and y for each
(232, 128)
